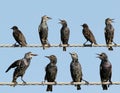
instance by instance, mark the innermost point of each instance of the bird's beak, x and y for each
(98, 56)
(49, 17)
(81, 25)
(70, 53)
(60, 21)
(34, 54)
(112, 20)
(47, 56)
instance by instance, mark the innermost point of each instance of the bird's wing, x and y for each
(65, 34)
(92, 38)
(106, 36)
(22, 38)
(15, 64)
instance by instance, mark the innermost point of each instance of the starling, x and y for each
(19, 37)
(105, 70)
(21, 66)
(43, 31)
(65, 32)
(109, 33)
(88, 35)
(76, 70)
(51, 71)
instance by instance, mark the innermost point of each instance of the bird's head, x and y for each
(52, 58)
(29, 55)
(84, 25)
(46, 18)
(109, 21)
(102, 56)
(14, 27)
(63, 22)
(74, 55)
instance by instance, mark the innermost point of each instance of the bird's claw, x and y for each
(15, 45)
(43, 82)
(24, 83)
(60, 45)
(55, 82)
(110, 83)
(13, 84)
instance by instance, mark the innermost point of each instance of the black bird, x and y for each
(19, 37)
(64, 32)
(21, 66)
(76, 70)
(88, 34)
(51, 71)
(109, 33)
(43, 31)
(105, 70)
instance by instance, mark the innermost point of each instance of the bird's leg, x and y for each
(60, 45)
(48, 43)
(23, 80)
(84, 44)
(114, 43)
(14, 83)
(43, 82)
(72, 82)
(110, 83)
(55, 82)
(86, 82)
(15, 45)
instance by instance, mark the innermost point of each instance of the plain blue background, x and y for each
(26, 14)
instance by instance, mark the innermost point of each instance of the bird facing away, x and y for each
(76, 70)
(64, 32)
(51, 71)
(105, 70)
(19, 37)
(88, 34)
(21, 66)
(43, 31)
(109, 33)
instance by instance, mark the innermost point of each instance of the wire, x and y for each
(57, 45)
(57, 83)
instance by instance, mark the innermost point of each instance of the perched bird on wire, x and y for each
(19, 37)
(76, 70)
(105, 70)
(88, 34)
(43, 31)
(64, 32)
(21, 66)
(51, 71)
(109, 33)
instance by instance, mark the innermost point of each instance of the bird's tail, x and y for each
(110, 48)
(64, 48)
(78, 87)
(49, 88)
(8, 69)
(105, 87)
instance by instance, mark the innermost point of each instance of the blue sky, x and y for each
(26, 14)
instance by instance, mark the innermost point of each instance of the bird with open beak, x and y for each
(105, 70)
(21, 66)
(109, 33)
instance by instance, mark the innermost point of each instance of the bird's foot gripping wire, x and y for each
(110, 83)
(86, 82)
(55, 82)
(24, 83)
(13, 83)
(43, 82)
(15, 45)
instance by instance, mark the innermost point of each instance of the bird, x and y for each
(87, 33)
(76, 70)
(43, 31)
(21, 66)
(109, 33)
(51, 71)
(105, 70)
(65, 33)
(19, 37)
